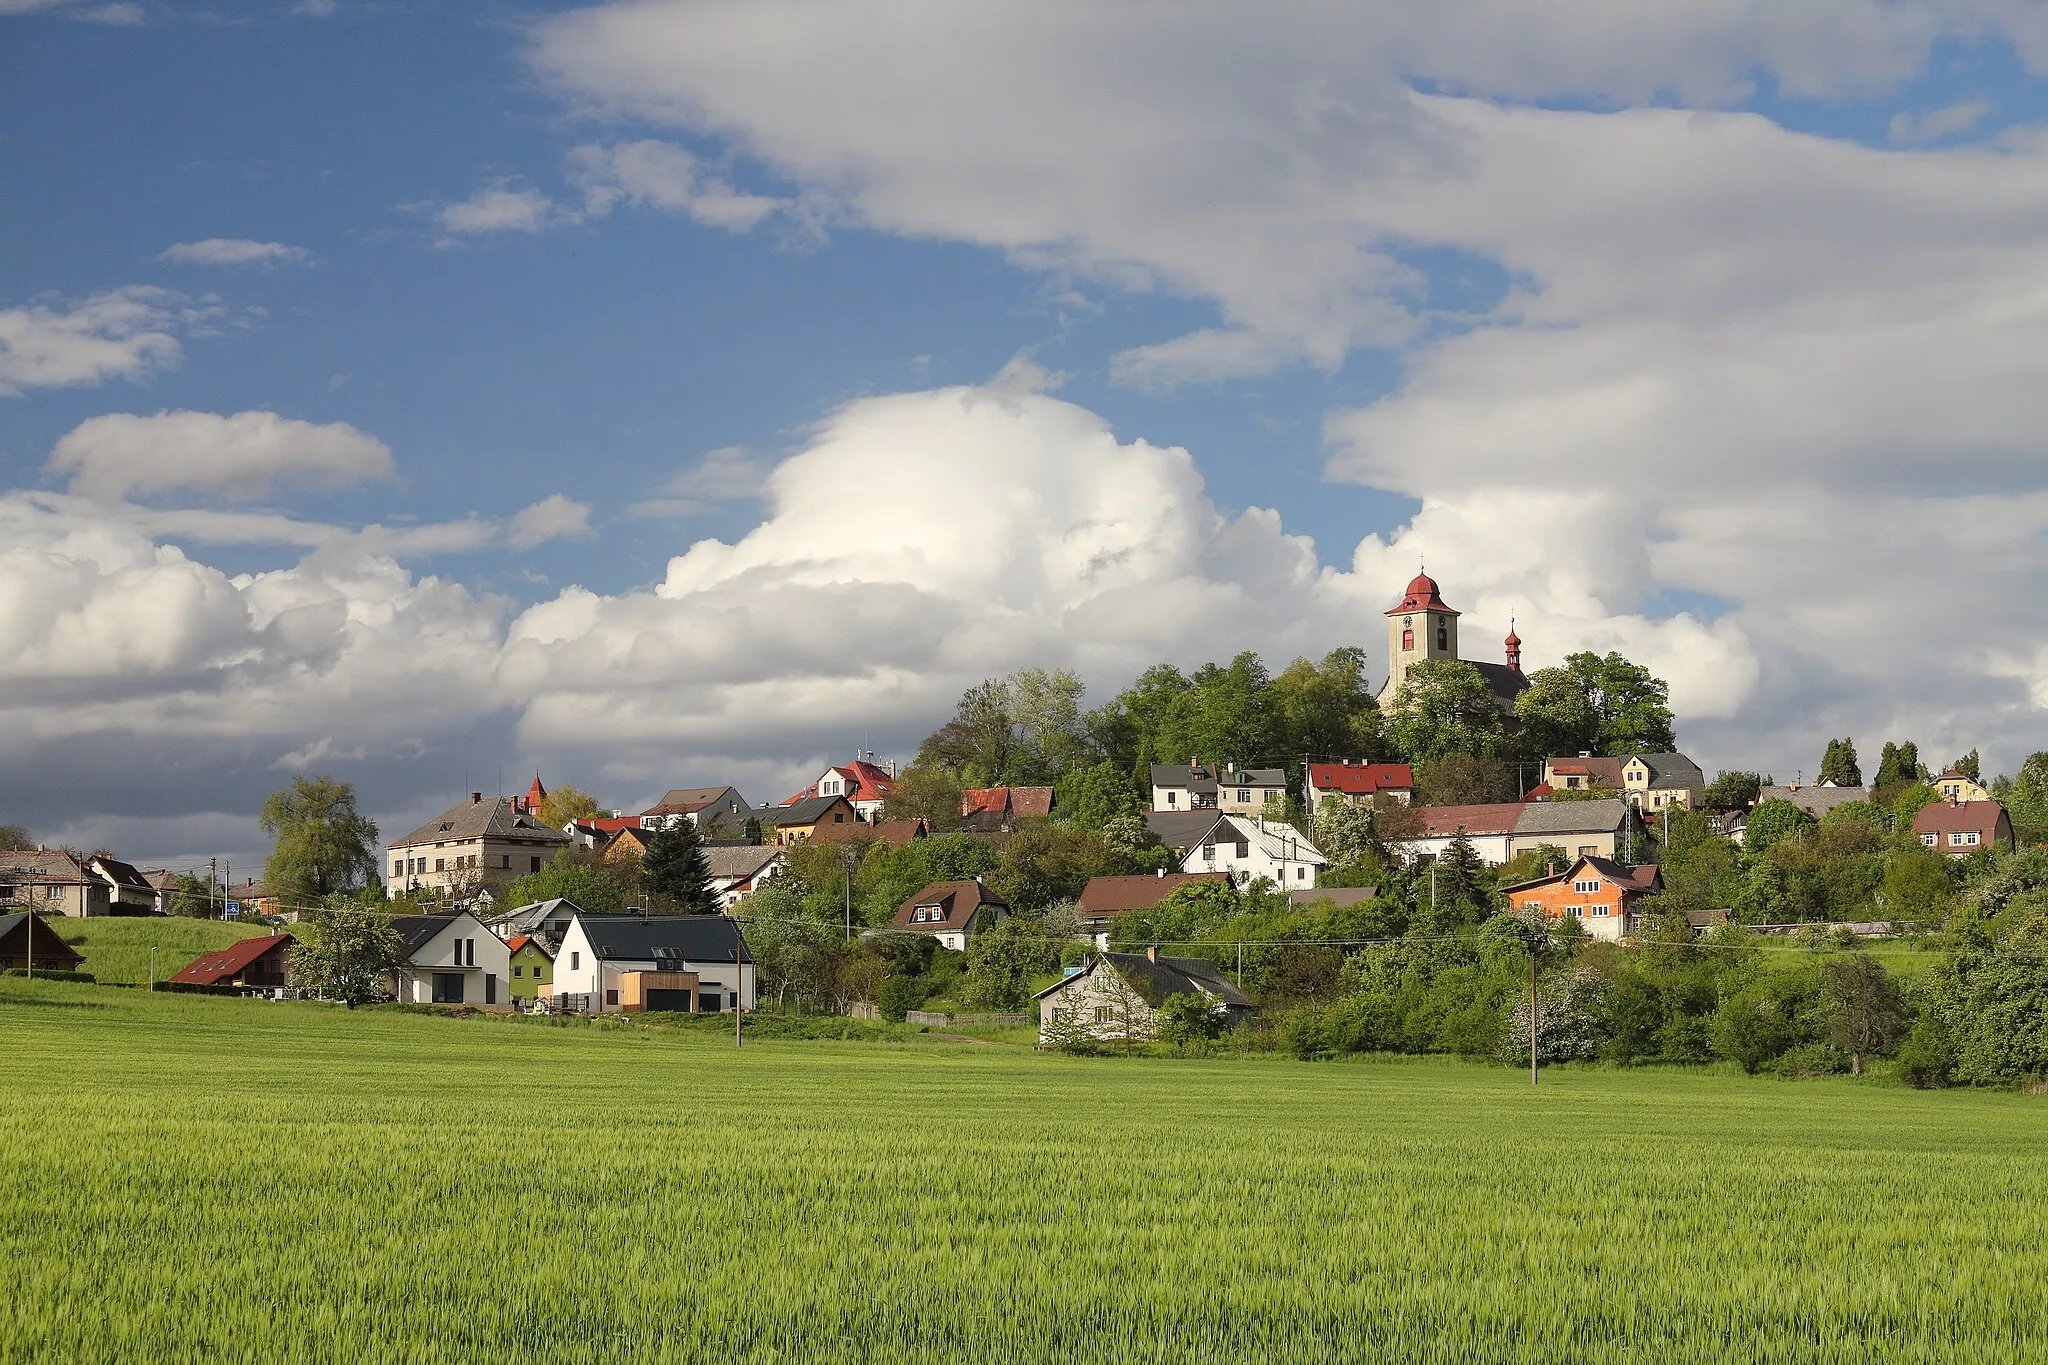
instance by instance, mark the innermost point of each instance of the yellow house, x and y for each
(1954, 788)
(1657, 782)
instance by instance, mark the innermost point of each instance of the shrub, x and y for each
(1302, 1034)
(1926, 1061)
(1812, 1059)
(898, 997)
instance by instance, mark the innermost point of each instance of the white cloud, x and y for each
(554, 517)
(121, 334)
(240, 457)
(664, 176)
(500, 208)
(1918, 130)
(723, 475)
(122, 13)
(234, 251)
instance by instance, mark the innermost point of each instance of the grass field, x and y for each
(116, 948)
(192, 1178)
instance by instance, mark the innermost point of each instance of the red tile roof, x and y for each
(210, 969)
(1119, 895)
(1030, 801)
(1441, 822)
(864, 782)
(989, 800)
(1961, 818)
(1361, 779)
(1633, 879)
(1422, 595)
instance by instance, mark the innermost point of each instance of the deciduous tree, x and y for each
(321, 843)
(1860, 1008)
(1443, 706)
(347, 953)
(565, 804)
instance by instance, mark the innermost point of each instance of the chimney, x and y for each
(1162, 874)
(476, 798)
(1152, 952)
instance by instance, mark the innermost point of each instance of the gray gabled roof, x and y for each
(1671, 771)
(1815, 801)
(417, 931)
(642, 938)
(524, 919)
(1199, 777)
(1154, 981)
(492, 818)
(804, 812)
(1505, 683)
(1183, 829)
(1572, 817)
(741, 861)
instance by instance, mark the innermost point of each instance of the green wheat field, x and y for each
(187, 1178)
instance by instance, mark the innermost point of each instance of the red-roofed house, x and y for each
(1361, 783)
(1599, 892)
(997, 808)
(1105, 899)
(864, 785)
(1960, 828)
(257, 963)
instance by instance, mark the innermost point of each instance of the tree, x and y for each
(925, 791)
(1917, 886)
(674, 869)
(2027, 802)
(320, 843)
(1344, 832)
(1897, 765)
(576, 876)
(14, 838)
(1602, 705)
(1443, 706)
(1046, 713)
(1838, 765)
(1771, 822)
(1002, 960)
(1327, 710)
(1465, 780)
(1731, 790)
(565, 804)
(1860, 1008)
(1970, 766)
(347, 953)
(1460, 889)
(1088, 798)
(192, 898)
(1189, 1019)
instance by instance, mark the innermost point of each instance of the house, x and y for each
(1202, 786)
(691, 964)
(476, 845)
(1104, 900)
(951, 912)
(1361, 784)
(737, 871)
(451, 959)
(1598, 892)
(1960, 828)
(28, 943)
(794, 824)
(864, 786)
(705, 807)
(1422, 626)
(1815, 801)
(999, 808)
(1116, 997)
(532, 969)
(260, 963)
(628, 844)
(1499, 832)
(1651, 782)
(1247, 848)
(895, 833)
(1953, 786)
(546, 920)
(1587, 772)
(58, 884)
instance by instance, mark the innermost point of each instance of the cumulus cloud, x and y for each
(723, 475)
(500, 208)
(121, 334)
(664, 176)
(234, 251)
(239, 457)
(554, 517)
(1937, 124)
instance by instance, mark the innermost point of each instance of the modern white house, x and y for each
(451, 960)
(1497, 833)
(692, 964)
(1249, 847)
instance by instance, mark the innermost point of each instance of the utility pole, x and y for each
(212, 878)
(1533, 1022)
(152, 966)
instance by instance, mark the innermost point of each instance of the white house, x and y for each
(1115, 997)
(738, 872)
(693, 964)
(1497, 833)
(1250, 847)
(451, 960)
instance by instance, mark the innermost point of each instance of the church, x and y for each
(1423, 626)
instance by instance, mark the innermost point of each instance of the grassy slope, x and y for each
(117, 948)
(215, 1179)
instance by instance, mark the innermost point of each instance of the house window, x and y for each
(1966, 839)
(575, 961)
(1173, 798)
(536, 864)
(1575, 911)
(1586, 888)
(838, 818)
(611, 997)
(1600, 911)
(398, 867)
(440, 864)
(507, 860)
(1104, 1014)
(517, 971)
(1588, 850)
(1244, 850)
(447, 988)
(1301, 874)
(1208, 853)
(1243, 795)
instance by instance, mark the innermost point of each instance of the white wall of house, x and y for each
(1099, 1003)
(1277, 852)
(579, 971)
(1491, 848)
(463, 948)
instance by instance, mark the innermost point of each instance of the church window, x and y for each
(1407, 640)
(1443, 636)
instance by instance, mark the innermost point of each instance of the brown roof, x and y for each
(741, 861)
(493, 817)
(1120, 895)
(1441, 822)
(1361, 779)
(1603, 770)
(956, 902)
(1632, 878)
(47, 864)
(690, 800)
(976, 800)
(1960, 818)
(1030, 801)
(210, 969)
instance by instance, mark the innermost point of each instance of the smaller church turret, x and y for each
(1514, 647)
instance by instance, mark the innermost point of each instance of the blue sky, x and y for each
(1624, 326)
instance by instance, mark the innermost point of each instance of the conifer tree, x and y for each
(1839, 765)
(674, 868)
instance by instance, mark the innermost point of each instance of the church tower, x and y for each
(1421, 626)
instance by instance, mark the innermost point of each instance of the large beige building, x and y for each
(480, 844)
(1423, 626)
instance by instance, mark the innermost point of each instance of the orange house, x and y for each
(1601, 893)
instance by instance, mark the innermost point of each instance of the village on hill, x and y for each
(1295, 857)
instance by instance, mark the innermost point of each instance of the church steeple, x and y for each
(534, 795)
(1420, 626)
